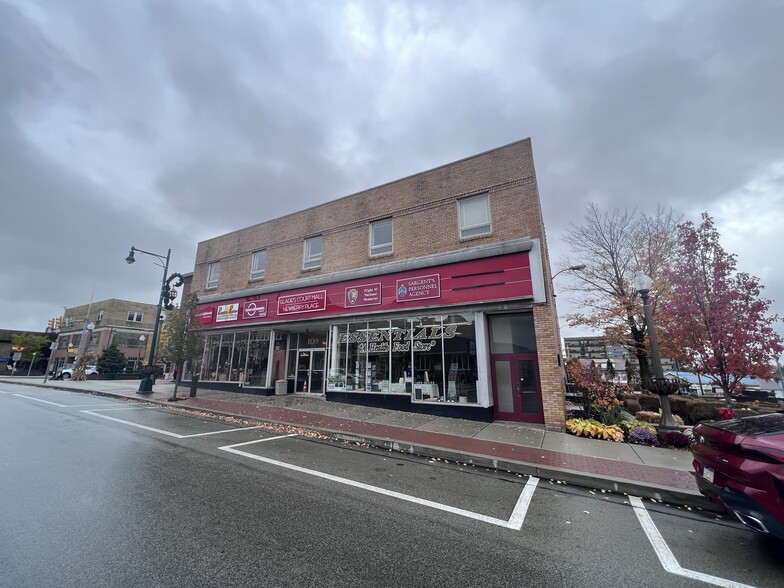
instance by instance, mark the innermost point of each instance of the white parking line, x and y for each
(161, 431)
(137, 425)
(665, 555)
(515, 521)
(40, 400)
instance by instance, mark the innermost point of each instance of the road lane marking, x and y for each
(161, 431)
(515, 521)
(137, 425)
(665, 555)
(40, 400)
(224, 431)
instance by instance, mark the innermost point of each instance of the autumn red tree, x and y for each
(715, 317)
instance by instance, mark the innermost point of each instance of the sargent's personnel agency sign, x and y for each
(418, 288)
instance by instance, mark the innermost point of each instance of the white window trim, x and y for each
(488, 224)
(390, 245)
(257, 274)
(311, 263)
(212, 283)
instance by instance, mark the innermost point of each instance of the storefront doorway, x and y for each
(310, 371)
(517, 394)
(516, 389)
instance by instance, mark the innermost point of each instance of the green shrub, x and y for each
(595, 429)
(649, 402)
(654, 417)
(702, 410)
(680, 406)
(744, 412)
(649, 416)
(632, 405)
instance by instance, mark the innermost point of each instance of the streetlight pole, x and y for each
(658, 384)
(88, 327)
(572, 268)
(145, 386)
(138, 352)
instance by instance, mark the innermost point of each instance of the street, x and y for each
(104, 492)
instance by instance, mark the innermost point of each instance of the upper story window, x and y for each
(135, 317)
(475, 216)
(212, 275)
(381, 237)
(258, 265)
(100, 315)
(311, 257)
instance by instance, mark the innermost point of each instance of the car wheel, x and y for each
(66, 376)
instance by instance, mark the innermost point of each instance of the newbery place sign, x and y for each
(505, 277)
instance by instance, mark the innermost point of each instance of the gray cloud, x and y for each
(162, 123)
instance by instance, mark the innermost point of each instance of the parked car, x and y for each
(739, 465)
(67, 373)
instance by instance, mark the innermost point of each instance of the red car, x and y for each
(739, 465)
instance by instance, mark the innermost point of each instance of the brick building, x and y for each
(430, 293)
(121, 322)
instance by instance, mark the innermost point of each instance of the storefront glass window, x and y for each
(512, 334)
(210, 364)
(224, 357)
(336, 376)
(377, 364)
(258, 356)
(400, 339)
(355, 354)
(431, 358)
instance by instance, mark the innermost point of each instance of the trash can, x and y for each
(281, 387)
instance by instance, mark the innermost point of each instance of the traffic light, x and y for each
(58, 321)
(50, 325)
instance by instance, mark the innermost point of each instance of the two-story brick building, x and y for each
(431, 293)
(124, 323)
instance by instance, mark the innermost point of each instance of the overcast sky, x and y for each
(162, 123)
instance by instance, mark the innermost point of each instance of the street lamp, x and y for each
(138, 352)
(573, 268)
(166, 296)
(658, 384)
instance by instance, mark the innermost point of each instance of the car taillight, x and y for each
(766, 454)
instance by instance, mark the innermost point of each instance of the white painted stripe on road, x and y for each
(40, 400)
(521, 508)
(515, 522)
(665, 555)
(145, 427)
(219, 432)
(170, 434)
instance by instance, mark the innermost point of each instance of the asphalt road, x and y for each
(102, 492)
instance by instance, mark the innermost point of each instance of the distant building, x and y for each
(6, 353)
(600, 350)
(121, 322)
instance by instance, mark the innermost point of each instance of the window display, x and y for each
(431, 358)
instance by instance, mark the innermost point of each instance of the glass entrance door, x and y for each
(310, 371)
(516, 388)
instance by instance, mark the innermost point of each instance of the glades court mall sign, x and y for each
(302, 302)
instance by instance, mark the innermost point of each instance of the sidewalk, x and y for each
(649, 472)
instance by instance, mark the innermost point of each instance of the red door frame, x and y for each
(517, 415)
